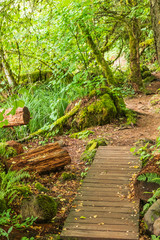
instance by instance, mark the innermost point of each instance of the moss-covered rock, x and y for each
(42, 207)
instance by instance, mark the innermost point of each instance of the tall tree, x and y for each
(155, 16)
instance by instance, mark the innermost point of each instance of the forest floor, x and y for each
(117, 133)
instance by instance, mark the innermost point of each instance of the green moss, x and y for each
(88, 156)
(82, 135)
(146, 74)
(40, 187)
(100, 92)
(131, 117)
(48, 205)
(149, 79)
(99, 112)
(144, 68)
(67, 176)
(35, 76)
(95, 143)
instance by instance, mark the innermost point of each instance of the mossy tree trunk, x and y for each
(98, 55)
(6, 68)
(155, 16)
(135, 72)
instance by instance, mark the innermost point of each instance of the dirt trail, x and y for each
(147, 123)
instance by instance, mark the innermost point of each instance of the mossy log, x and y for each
(21, 117)
(41, 160)
(58, 124)
(100, 107)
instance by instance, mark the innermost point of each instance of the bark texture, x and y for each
(7, 70)
(41, 160)
(135, 75)
(21, 117)
(155, 16)
(98, 55)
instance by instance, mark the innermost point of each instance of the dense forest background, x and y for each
(53, 52)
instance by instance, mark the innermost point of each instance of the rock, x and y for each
(156, 227)
(42, 207)
(152, 215)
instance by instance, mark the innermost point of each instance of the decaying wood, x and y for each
(41, 160)
(21, 117)
(17, 146)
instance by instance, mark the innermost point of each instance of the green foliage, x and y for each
(10, 185)
(153, 237)
(143, 152)
(6, 152)
(84, 174)
(88, 156)
(149, 177)
(82, 135)
(9, 218)
(67, 176)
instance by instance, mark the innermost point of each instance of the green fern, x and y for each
(149, 177)
(10, 184)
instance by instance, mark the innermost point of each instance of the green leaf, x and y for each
(142, 177)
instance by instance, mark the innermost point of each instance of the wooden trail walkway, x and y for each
(101, 209)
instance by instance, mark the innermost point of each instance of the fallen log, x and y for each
(41, 160)
(21, 117)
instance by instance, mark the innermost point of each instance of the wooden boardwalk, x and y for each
(101, 209)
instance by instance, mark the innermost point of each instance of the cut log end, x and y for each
(21, 117)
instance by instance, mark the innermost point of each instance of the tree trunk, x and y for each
(135, 74)
(41, 160)
(98, 55)
(7, 70)
(21, 117)
(155, 16)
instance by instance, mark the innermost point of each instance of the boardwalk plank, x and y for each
(101, 209)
